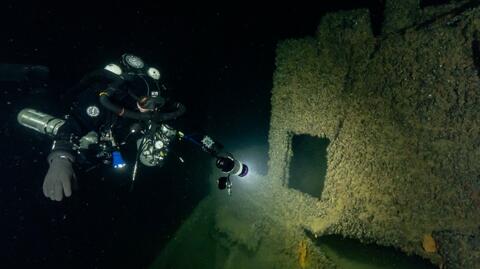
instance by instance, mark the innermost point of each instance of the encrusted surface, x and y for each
(402, 112)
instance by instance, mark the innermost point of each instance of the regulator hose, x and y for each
(104, 98)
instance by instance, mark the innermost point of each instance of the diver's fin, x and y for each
(23, 73)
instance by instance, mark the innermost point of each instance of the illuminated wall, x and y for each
(402, 112)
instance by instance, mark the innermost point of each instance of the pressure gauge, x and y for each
(133, 61)
(153, 73)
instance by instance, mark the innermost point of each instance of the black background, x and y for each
(219, 62)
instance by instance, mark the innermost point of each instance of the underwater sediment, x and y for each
(401, 111)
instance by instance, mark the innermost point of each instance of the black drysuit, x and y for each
(124, 92)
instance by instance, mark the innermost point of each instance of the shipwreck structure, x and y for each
(399, 115)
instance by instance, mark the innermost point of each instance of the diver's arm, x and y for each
(86, 113)
(224, 160)
(68, 135)
(100, 75)
(105, 98)
(60, 175)
(84, 116)
(204, 142)
(178, 109)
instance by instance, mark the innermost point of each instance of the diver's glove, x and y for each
(60, 176)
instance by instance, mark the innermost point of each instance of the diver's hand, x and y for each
(60, 176)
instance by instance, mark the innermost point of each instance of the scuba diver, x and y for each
(123, 93)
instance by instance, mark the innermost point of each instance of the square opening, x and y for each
(308, 166)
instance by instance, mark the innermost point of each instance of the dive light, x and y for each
(118, 161)
(232, 166)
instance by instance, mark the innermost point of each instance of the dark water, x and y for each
(226, 88)
(103, 224)
(219, 64)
